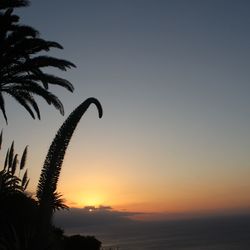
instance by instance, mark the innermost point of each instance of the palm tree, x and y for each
(46, 190)
(22, 63)
(6, 4)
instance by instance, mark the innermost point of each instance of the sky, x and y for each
(173, 79)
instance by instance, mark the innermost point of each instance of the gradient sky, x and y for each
(173, 79)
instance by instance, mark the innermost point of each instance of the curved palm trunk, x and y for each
(52, 165)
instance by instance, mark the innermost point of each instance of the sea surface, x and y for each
(217, 233)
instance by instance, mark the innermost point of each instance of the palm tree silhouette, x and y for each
(46, 190)
(5, 4)
(22, 64)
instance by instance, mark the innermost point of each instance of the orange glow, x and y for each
(83, 199)
(194, 201)
(114, 182)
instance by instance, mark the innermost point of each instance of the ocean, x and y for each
(210, 234)
(214, 233)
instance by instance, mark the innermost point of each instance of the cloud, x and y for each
(89, 218)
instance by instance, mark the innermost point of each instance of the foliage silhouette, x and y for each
(18, 221)
(6, 4)
(21, 63)
(10, 182)
(25, 222)
(18, 211)
(79, 242)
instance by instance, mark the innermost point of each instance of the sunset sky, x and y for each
(174, 81)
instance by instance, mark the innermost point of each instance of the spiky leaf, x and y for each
(26, 184)
(6, 159)
(1, 139)
(14, 164)
(25, 178)
(24, 157)
(11, 155)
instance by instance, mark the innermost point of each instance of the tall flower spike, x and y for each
(47, 185)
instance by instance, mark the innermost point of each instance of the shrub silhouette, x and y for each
(79, 242)
(18, 211)
(35, 224)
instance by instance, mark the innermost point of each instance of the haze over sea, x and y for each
(228, 232)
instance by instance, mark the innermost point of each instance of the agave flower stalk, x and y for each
(46, 190)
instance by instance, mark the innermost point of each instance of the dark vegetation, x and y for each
(25, 219)
(22, 63)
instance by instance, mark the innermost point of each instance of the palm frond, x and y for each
(51, 79)
(21, 100)
(21, 60)
(21, 32)
(46, 61)
(5, 4)
(36, 89)
(28, 46)
(29, 98)
(2, 107)
(59, 202)
(39, 76)
(26, 184)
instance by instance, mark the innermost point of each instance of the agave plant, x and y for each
(46, 190)
(22, 63)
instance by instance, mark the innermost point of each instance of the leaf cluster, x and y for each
(13, 176)
(23, 63)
